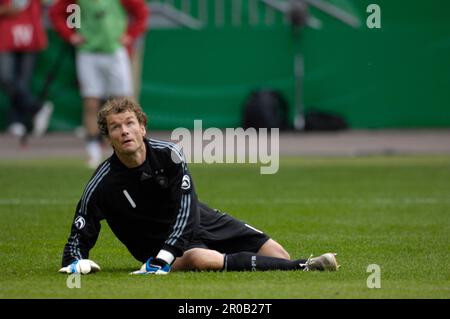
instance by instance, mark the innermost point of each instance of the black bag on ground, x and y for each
(323, 121)
(265, 109)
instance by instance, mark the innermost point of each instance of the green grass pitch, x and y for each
(389, 211)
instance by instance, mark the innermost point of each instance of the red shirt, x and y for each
(23, 31)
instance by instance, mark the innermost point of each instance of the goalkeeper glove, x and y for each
(82, 266)
(156, 266)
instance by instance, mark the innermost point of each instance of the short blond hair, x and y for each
(119, 105)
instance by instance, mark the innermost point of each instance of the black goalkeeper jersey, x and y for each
(149, 208)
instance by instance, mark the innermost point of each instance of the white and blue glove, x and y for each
(155, 266)
(82, 266)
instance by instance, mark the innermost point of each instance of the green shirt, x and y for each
(103, 22)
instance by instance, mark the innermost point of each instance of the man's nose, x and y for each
(124, 130)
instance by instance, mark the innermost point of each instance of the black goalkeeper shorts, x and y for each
(224, 233)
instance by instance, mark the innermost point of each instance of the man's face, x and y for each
(125, 133)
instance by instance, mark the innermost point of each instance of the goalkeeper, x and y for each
(145, 193)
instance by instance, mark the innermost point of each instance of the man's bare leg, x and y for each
(91, 106)
(271, 256)
(199, 259)
(273, 249)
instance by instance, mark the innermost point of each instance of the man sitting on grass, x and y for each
(145, 193)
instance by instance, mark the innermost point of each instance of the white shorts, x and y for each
(104, 75)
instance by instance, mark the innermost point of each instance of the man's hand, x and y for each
(76, 39)
(155, 266)
(82, 266)
(126, 40)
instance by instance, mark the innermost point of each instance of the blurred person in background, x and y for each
(22, 38)
(104, 41)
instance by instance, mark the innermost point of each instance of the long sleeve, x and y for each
(187, 218)
(86, 222)
(83, 236)
(138, 14)
(58, 17)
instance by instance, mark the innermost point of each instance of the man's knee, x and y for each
(273, 249)
(199, 259)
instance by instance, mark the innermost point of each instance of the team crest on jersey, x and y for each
(186, 183)
(79, 222)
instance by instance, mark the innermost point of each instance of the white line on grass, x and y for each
(374, 201)
(36, 201)
(323, 200)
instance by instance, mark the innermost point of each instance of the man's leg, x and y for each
(199, 259)
(207, 259)
(245, 261)
(9, 87)
(273, 249)
(16, 72)
(91, 106)
(272, 256)
(246, 248)
(117, 71)
(92, 89)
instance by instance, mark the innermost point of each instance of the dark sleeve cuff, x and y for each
(173, 250)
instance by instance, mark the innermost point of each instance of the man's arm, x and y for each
(86, 226)
(58, 16)
(138, 14)
(83, 236)
(187, 217)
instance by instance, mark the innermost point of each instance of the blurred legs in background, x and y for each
(101, 76)
(26, 113)
(93, 138)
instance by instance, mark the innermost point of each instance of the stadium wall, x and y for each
(394, 76)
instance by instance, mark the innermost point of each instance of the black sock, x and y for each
(250, 261)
